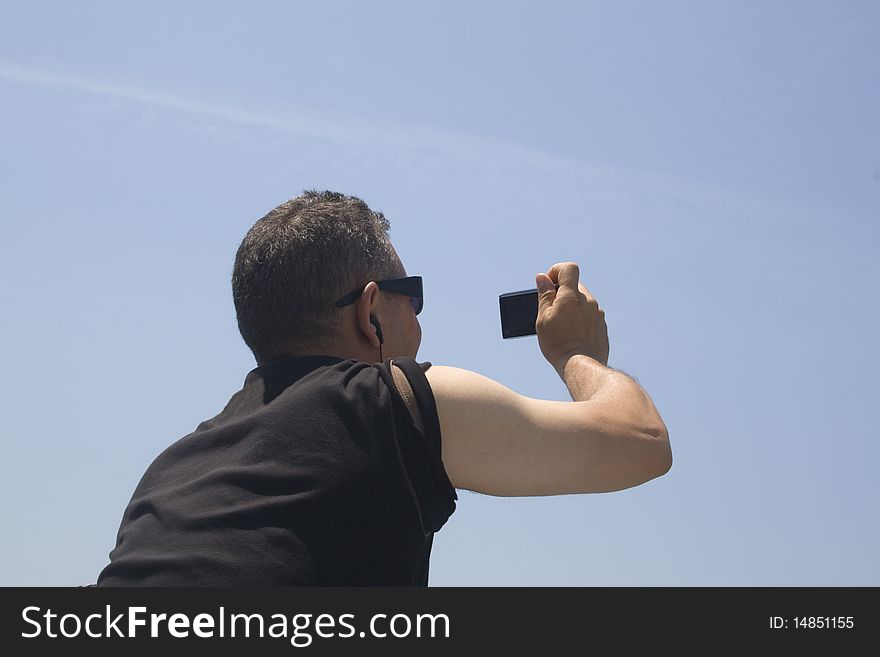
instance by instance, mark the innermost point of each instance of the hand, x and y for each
(570, 320)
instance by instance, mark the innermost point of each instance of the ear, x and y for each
(368, 304)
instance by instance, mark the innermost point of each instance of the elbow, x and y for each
(655, 452)
(648, 456)
(661, 452)
(665, 464)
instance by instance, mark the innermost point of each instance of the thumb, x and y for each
(545, 284)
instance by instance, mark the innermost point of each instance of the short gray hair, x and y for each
(297, 261)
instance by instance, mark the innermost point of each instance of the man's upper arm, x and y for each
(497, 442)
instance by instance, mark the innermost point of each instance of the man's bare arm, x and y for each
(497, 442)
(608, 438)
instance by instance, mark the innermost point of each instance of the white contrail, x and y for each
(311, 126)
(343, 130)
(621, 183)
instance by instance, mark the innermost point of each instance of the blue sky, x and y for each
(713, 167)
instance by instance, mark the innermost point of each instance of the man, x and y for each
(315, 473)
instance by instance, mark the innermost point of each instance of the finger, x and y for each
(566, 274)
(546, 287)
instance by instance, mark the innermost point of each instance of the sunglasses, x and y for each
(411, 286)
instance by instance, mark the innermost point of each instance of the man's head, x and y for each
(298, 260)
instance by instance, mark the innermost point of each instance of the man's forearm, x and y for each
(584, 376)
(589, 380)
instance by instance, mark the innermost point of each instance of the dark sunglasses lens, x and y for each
(417, 296)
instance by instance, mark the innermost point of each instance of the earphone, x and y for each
(375, 322)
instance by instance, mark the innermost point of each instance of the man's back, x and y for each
(313, 474)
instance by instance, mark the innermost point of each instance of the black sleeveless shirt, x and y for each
(313, 474)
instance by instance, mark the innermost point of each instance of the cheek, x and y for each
(409, 318)
(410, 321)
